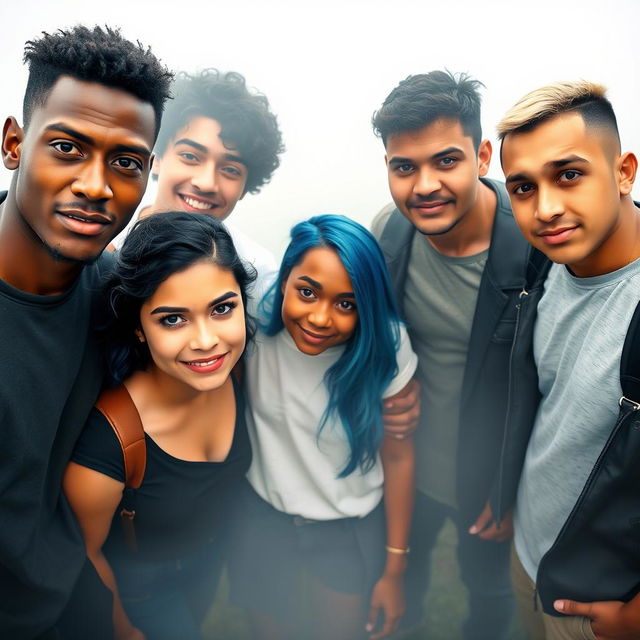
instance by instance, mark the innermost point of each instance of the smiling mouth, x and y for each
(430, 206)
(197, 203)
(205, 365)
(316, 337)
(557, 236)
(82, 222)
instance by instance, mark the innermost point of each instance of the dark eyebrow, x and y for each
(203, 149)
(311, 281)
(128, 148)
(552, 164)
(168, 310)
(213, 303)
(448, 151)
(515, 177)
(191, 143)
(317, 285)
(399, 160)
(63, 128)
(396, 160)
(222, 298)
(133, 148)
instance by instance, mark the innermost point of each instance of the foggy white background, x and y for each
(326, 66)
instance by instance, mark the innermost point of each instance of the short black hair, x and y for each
(158, 247)
(420, 100)
(247, 123)
(94, 55)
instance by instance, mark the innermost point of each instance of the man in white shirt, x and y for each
(218, 141)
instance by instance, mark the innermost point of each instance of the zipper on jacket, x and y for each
(498, 517)
(627, 408)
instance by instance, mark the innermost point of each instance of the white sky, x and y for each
(326, 66)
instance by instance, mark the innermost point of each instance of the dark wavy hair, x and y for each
(357, 381)
(94, 55)
(247, 124)
(157, 247)
(420, 100)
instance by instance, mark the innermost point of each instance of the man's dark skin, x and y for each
(81, 168)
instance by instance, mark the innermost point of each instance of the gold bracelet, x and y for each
(402, 552)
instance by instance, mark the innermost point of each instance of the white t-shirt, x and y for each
(249, 250)
(294, 468)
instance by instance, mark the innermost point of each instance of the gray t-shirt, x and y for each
(440, 295)
(439, 302)
(578, 340)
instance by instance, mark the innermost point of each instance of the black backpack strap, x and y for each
(630, 360)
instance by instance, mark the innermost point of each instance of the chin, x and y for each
(64, 255)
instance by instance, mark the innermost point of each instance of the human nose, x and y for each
(92, 183)
(204, 336)
(549, 205)
(427, 182)
(320, 315)
(205, 178)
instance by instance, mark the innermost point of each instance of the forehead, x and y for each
(324, 265)
(557, 138)
(197, 284)
(95, 109)
(440, 134)
(202, 130)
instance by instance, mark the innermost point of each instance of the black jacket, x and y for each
(596, 555)
(484, 389)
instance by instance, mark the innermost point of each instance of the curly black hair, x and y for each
(94, 55)
(422, 99)
(247, 124)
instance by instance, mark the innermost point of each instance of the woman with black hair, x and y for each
(176, 331)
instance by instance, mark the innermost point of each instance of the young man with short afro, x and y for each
(81, 159)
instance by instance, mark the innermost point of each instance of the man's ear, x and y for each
(12, 137)
(484, 157)
(626, 170)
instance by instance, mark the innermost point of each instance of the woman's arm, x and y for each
(94, 497)
(398, 461)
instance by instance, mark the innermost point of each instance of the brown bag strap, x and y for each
(117, 407)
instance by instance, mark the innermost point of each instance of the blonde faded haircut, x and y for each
(588, 98)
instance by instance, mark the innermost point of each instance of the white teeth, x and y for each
(203, 364)
(196, 204)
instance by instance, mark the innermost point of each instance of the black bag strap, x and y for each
(630, 360)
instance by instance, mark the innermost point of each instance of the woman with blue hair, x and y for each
(331, 347)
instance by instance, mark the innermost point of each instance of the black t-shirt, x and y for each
(180, 505)
(50, 377)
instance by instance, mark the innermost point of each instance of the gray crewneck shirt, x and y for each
(578, 340)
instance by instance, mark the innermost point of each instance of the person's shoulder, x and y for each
(381, 218)
(503, 204)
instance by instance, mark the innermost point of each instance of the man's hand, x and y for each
(485, 526)
(610, 620)
(401, 411)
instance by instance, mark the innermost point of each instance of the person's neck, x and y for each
(25, 263)
(472, 234)
(621, 248)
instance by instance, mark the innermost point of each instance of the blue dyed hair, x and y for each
(358, 379)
